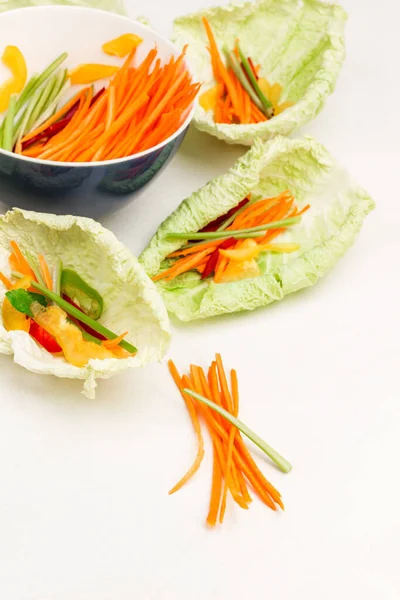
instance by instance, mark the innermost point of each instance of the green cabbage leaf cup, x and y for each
(298, 43)
(131, 300)
(338, 208)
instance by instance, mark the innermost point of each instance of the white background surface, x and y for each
(84, 510)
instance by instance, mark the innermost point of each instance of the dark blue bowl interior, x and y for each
(89, 191)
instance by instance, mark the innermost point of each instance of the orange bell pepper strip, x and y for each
(122, 45)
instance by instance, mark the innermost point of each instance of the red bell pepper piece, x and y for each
(44, 338)
(213, 258)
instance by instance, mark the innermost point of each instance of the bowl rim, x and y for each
(115, 161)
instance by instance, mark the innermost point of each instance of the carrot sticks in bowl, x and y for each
(141, 107)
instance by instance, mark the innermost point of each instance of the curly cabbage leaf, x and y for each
(298, 43)
(131, 301)
(328, 229)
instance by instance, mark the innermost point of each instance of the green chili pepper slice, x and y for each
(88, 299)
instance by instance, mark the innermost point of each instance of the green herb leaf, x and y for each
(22, 300)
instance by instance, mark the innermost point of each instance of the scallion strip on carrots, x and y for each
(209, 235)
(281, 462)
(217, 404)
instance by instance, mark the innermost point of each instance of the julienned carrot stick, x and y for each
(138, 82)
(232, 433)
(215, 393)
(232, 462)
(110, 344)
(247, 211)
(231, 481)
(150, 120)
(182, 266)
(226, 396)
(160, 90)
(72, 152)
(116, 126)
(196, 426)
(220, 452)
(253, 477)
(13, 262)
(110, 116)
(260, 484)
(231, 473)
(221, 69)
(168, 76)
(258, 475)
(220, 268)
(187, 251)
(216, 487)
(201, 386)
(118, 77)
(33, 151)
(6, 282)
(88, 122)
(24, 267)
(45, 272)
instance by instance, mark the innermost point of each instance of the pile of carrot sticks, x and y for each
(234, 469)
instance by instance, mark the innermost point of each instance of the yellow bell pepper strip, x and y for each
(77, 351)
(273, 93)
(14, 60)
(237, 270)
(208, 99)
(88, 73)
(13, 320)
(253, 250)
(122, 45)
